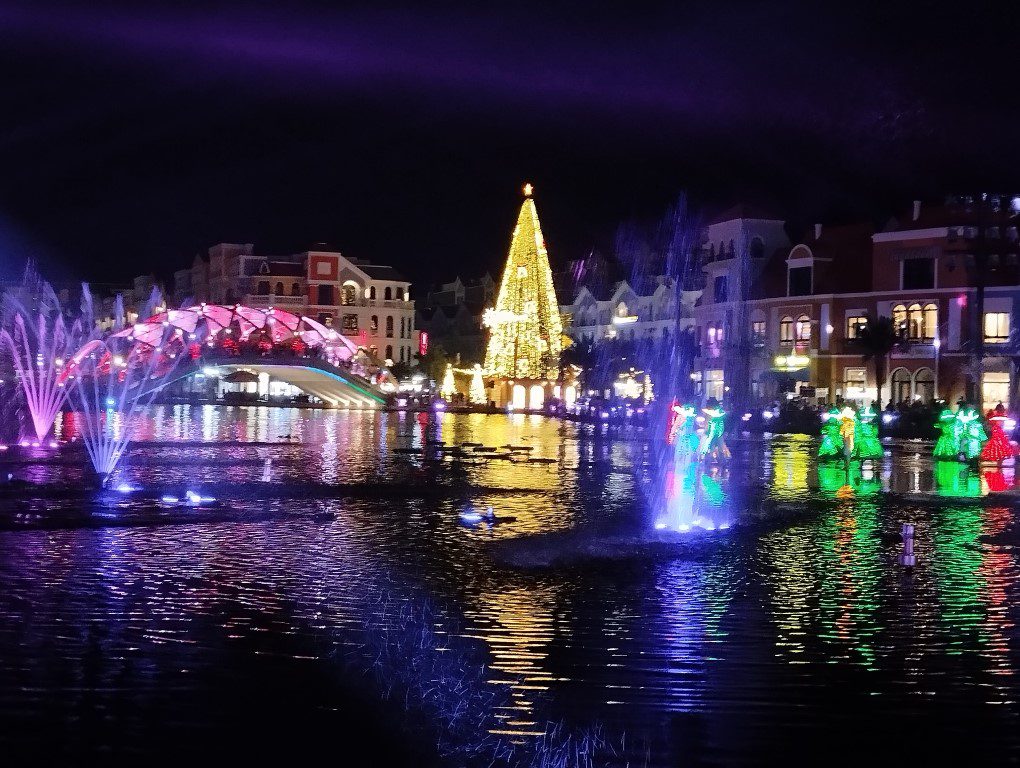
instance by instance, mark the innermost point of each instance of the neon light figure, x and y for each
(972, 434)
(713, 442)
(682, 431)
(947, 446)
(998, 446)
(847, 431)
(867, 443)
(832, 443)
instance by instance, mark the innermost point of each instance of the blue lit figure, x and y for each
(713, 442)
(683, 430)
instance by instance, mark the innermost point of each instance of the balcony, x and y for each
(273, 300)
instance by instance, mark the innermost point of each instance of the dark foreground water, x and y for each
(343, 607)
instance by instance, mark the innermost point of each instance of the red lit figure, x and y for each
(998, 446)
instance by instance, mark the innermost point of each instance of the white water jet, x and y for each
(113, 382)
(39, 342)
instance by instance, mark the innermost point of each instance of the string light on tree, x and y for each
(525, 330)
(477, 392)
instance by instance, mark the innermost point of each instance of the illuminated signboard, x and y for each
(791, 362)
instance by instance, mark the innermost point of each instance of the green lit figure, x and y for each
(832, 443)
(713, 442)
(947, 447)
(972, 433)
(867, 444)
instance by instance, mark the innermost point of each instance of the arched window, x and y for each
(325, 295)
(279, 289)
(786, 329)
(931, 321)
(263, 287)
(295, 289)
(389, 352)
(373, 324)
(901, 386)
(401, 354)
(371, 292)
(349, 294)
(387, 293)
(915, 322)
(621, 310)
(402, 324)
(803, 328)
(924, 385)
(389, 327)
(899, 318)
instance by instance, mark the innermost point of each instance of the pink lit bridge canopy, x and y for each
(211, 322)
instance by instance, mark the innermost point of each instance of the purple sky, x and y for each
(403, 134)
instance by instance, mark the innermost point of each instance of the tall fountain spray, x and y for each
(112, 382)
(39, 341)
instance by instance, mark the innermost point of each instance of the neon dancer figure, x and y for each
(713, 442)
(947, 447)
(682, 431)
(832, 443)
(972, 434)
(867, 443)
(848, 431)
(998, 446)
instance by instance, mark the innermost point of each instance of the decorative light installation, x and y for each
(525, 330)
(477, 392)
(447, 389)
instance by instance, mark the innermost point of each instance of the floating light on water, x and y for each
(127, 488)
(746, 417)
(54, 444)
(169, 499)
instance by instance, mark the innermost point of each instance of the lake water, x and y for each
(788, 632)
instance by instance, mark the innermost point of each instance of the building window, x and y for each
(389, 352)
(918, 274)
(855, 325)
(901, 386)
(996, 327)
(373, 324)
(758, 331)
(350, 323)
(325, 295)
(402, 324)
(854, 380)
(279, 289)
(387, 293)
(924, 385)
(371, 292)
(389, 327)
(263, 287)
(803, 328)
(800, 281)
(349, 294)
(295, 289)
(786, 329)
(899, 318)
(719, 289)
(326, 319)
(401, 354)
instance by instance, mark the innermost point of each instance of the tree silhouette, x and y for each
(875, 340)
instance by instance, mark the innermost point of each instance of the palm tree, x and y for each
(875, 340)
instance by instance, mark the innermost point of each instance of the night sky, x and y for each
(132, 139)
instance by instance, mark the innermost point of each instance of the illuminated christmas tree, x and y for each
(477, 392)
(447, 388)
(525, 332)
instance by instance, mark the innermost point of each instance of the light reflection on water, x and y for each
(754, 623)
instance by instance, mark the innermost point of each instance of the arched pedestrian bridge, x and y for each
(287, 347)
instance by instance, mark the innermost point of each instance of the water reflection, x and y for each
(758, 620)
